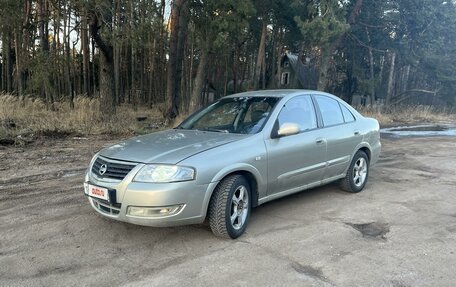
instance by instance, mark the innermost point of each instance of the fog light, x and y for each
(154, 211)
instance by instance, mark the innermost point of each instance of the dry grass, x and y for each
(30, 114)
(409, 115)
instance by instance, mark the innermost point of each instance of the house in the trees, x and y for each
(294, 73)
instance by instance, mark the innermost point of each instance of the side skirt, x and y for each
(299, 189)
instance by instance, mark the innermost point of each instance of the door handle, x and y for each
(356, 133)
(320, 140)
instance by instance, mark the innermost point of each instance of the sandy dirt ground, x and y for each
(400, 231)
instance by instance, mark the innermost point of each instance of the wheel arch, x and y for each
(252, 175)
(365, 147)
(367, 151)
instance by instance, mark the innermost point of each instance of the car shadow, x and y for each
(262, 217)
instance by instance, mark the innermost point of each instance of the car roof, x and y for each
(272, 93)
(289, 93)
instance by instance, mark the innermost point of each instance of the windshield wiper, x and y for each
(216, 130)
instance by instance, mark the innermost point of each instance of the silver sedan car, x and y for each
(239, 152)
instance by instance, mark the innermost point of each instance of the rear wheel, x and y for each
(357, 173)
(229, 208)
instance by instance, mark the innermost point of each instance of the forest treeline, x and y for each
(182, 53)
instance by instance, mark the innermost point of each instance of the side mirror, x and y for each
(288, 129)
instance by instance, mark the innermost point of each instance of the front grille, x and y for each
(114, 170)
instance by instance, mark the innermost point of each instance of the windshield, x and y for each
(244, 115)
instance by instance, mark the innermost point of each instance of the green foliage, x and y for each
(221, 22)
(421, 34)
(10, 15)
(324, 23)
(42, 67)
(426, 37)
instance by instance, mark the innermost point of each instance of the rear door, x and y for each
(340, 133)
(297, 160)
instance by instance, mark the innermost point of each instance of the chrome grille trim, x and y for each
(115, 169)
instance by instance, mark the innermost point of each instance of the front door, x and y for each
(296, 161)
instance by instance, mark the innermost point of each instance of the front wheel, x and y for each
(357, 173)
(229, 208)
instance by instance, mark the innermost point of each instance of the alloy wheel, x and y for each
(239, 207)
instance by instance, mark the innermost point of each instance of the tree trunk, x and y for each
(7, 54)
(175, 57)
(160, 82)
(406, 78)
(171, 98)
(225, 85)
(181, 40)
(260, 63)
(234, 66)
(57, 47)
(150, 95)
(274, 57)
(192, 62)
(67, 48)
(43, 34)
(107, 96)
(42, 22)
(371, 71)
(18, 50)
(93, 74)
(133, 87)
(379, 88)
(389, 93)
(107, 99)
(85, 52)
(323, 71)
(195, 101)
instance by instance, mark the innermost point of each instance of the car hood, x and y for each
(170, 146)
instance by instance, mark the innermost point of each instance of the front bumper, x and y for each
(193, 198)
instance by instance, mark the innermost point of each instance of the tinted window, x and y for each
(299, 110)
(348, 116)
(330, 111)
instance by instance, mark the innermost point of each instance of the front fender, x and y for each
(239, 167)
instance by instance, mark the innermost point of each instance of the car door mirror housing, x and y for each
(288, 129)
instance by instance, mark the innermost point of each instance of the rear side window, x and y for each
(348, 116)
(330, 111)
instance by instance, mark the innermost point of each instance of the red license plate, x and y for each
(98, 192)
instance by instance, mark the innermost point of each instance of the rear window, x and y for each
(330, 111)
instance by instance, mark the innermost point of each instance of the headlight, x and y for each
(164, 173)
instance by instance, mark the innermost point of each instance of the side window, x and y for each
(299, 110)
(348, 116)
(330, 111)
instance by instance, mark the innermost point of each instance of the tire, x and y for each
(357, 173)
(231, 199)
